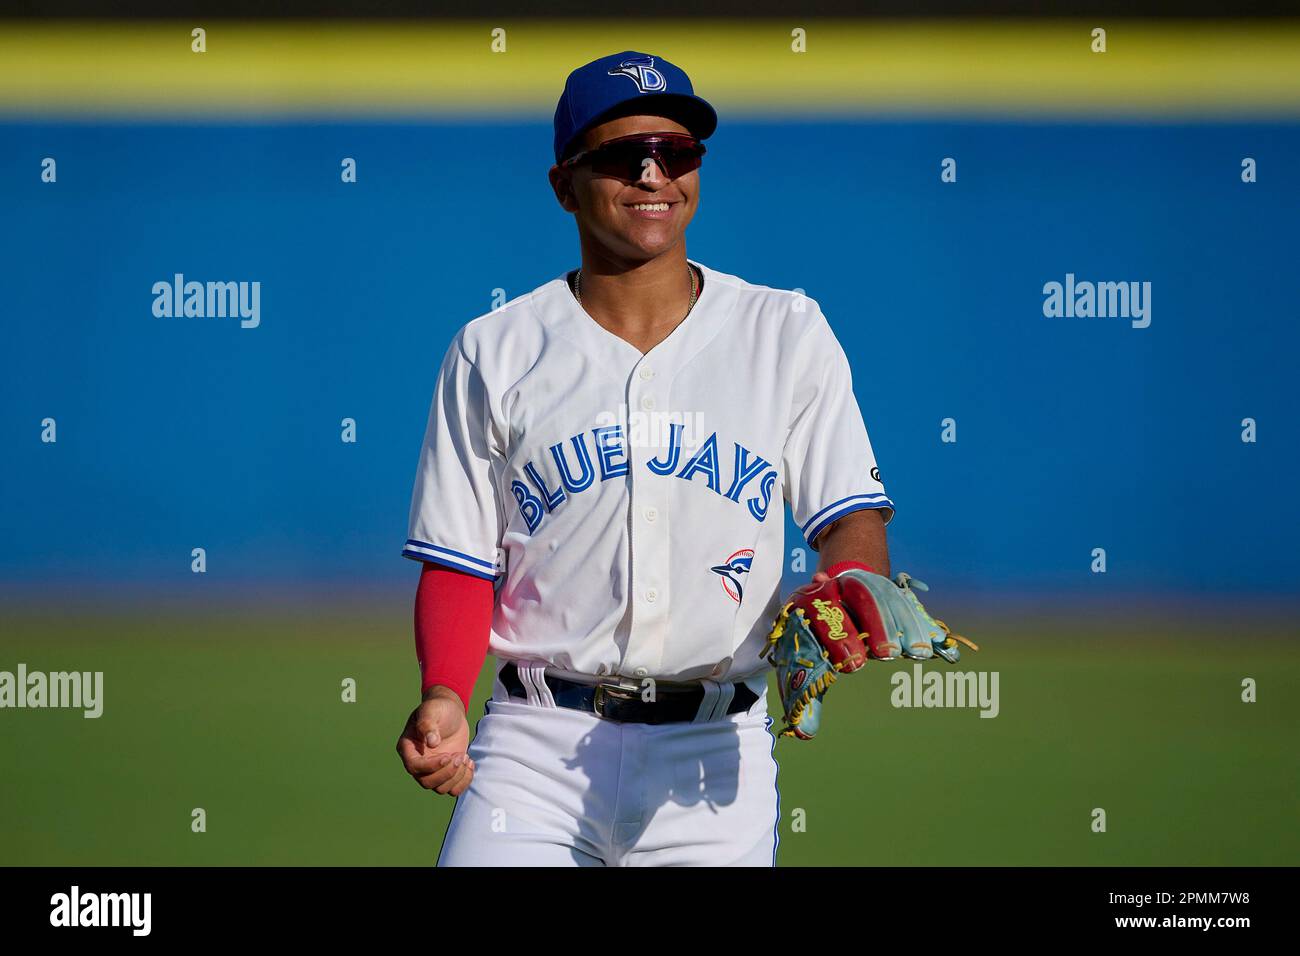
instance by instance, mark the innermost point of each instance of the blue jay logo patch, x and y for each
(735, 566)
(641, 71)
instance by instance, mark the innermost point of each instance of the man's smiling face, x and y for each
(631, 220)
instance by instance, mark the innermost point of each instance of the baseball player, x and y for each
(599, 504)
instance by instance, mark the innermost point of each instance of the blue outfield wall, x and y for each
(1072, 433)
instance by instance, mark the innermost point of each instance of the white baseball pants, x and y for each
(559, 787)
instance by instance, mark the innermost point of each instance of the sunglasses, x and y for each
(629, 157)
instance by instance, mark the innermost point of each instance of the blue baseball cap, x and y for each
(627, 84)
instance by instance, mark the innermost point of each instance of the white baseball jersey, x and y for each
(629, 505)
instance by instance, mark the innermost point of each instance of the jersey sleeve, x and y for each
(456, 515)
(829, 466)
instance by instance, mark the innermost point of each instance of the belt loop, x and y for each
(533, 676)
(499, 691)
(525, 673)
(712, 691)
(726, 692)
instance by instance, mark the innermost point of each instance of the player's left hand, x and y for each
(839, 621)
(857, 615)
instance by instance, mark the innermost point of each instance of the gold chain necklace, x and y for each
(577, 287)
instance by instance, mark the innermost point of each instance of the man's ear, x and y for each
(562, 183)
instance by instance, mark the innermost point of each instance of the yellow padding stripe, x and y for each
(747, 69)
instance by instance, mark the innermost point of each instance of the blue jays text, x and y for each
(574, 471)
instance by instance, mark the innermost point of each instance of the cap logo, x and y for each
(641, 71)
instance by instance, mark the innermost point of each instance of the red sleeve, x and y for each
(839, 566)
(453, 618)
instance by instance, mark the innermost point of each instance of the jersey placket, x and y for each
(648, 537)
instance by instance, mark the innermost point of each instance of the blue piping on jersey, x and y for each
(450, 558)
(839, 509)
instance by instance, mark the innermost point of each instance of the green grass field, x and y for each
(241, 715)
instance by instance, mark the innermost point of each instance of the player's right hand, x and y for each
(435, 742)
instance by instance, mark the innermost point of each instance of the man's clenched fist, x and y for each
(434, 744)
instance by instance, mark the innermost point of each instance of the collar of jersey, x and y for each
(562, 312)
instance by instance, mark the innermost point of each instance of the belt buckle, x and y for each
(606, 690)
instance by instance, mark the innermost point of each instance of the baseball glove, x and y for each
(834, 627)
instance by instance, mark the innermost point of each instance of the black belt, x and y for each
(623, 702)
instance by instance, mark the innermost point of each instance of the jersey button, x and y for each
(651, 595)
(648, 402)
(641, 672)
(652, 514)
(647, 374)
